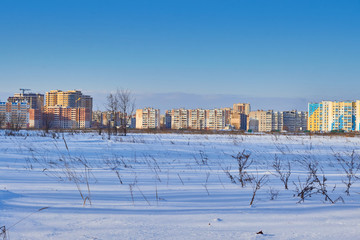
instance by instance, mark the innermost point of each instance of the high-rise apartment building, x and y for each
(71, 98)
(242, 108)
(294, 121)
(148, 118)
(179, 118)
(267, 121)
(14, 114)
(67, 117)
(239, 115)
(35, 100)
(69, 109)
(329, 116)
(263, 121)
(209, 119)
(216, 119)
(198, 119)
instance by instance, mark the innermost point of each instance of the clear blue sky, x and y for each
(187, 53)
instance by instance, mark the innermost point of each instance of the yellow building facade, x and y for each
(329, 116)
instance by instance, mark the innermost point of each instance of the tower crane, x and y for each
(24, 89)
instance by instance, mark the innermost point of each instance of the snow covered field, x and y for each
(172, 186)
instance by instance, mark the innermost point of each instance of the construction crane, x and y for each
(24, 89)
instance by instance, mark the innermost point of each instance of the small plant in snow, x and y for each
(244, 162)
(350, 164)
(283, 172)
(273, 193)
(256, 183)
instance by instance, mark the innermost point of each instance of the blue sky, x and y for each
(273, 54)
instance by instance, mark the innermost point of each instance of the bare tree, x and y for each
(244, 162)
(112, 105)
(350, 164)
(2, 119)
(283, 172)
(47, 121)
(121, 104)
(126, 106)
(257, 182)
(18, 120)
(314, 184)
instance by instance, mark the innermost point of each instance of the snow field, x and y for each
(172, 186)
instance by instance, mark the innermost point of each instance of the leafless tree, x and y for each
(121, 104)
(126, 107)
(313, 183)
(3, 233)
(17, 121)
(97, 115)
(47, 121)
(350, 164)
(244, 162)
(257, 182)
(2, 119)
(283, 172)
(112, 105)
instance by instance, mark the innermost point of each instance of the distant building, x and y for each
(198, 119)
(263, 121)
(239, 116)
(14, 114)
(179, 118)
(294, 121)
(71, 98)
(242, 108)
(329, 116)
(168, 119)
(35, 100)
(267, 121)
(68, 109)
(67, 117)
(239, 121)
(208, 119)
(148, 118)
(35, 118)
(216, 119)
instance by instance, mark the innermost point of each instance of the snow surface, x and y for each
(170, 186)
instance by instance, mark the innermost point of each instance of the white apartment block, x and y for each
(198, 119)
(179, 118)
(267, 121)
(148, 118)
(216, 119)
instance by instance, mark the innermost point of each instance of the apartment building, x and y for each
(267, 121)
(329, 116)
(239, 121)
(294, 121)
(35, 118)
(35, 100)
(198, 119)
(71, 98)
(239, 116)
(168, 119)
(261, 121)
(216, 119)
(14, 114)
(148, 118)
(68, 109)
(242, 108)
(179, 118)
(67, 117)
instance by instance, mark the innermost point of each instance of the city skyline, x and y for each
(268, 53)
